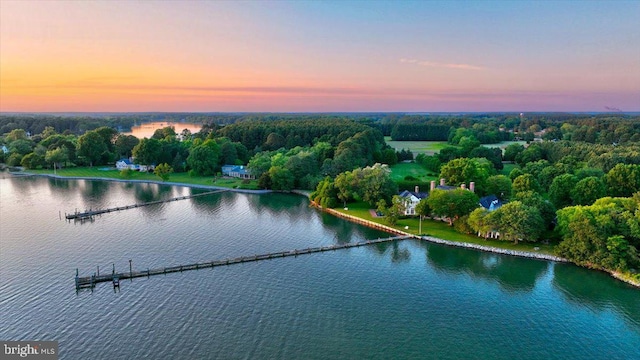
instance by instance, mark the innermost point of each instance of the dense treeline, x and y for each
(284, 154)
(493, 128)
(274, 134)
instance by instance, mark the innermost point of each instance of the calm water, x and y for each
(406, 300)
(146, 130)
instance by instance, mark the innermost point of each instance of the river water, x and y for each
(402, 300)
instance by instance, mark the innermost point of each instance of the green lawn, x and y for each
(400, 171)
(111, 173)
(417, 147)
(440, 230)
(506, 170)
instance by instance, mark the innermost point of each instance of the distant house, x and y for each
(490, 202)
(411, 200)
(128, 164)
(124, 164)
(237, 171)
(5, 149)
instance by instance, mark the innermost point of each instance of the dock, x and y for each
(89, 214)
(115, 278)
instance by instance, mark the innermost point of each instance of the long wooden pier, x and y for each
(88, 214)
(91, 281)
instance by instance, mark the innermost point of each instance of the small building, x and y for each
(237, 171)
(5, 149)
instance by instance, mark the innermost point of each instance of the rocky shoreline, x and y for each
(519, 253)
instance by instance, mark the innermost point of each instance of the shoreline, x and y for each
(435, 240)
(357, 220)
(197, 186)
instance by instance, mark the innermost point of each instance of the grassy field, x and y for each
(111, 173)
(417, 147)
(441, 230)
(400, 171)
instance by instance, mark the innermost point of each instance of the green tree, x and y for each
(260, 163)
(32, 161)
(91, 146)
(148, 151)
(517, 221)
(395, 211)
(452, 204)
(281, 178)
(163, 171)
(512, 150)
(325, 194)
(623, 180)
(56, 157)
(560, 190)
(21, 146)
(16, 134)
(376, 184)
(525, 182)
(536, 201)
(500, 185)
(601, 235)
(465, 170)
(423, 209)
(203, 160)
(345, 186)
(588, 190)
(167, 132)
(480, 221)
(124, 145)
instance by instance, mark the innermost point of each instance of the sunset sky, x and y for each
(297, 56)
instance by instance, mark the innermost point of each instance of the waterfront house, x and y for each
(237, 171)
(412, 199)
(128, 164)
(124, 164)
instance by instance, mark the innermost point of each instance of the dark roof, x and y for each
(419, 195)
(490, 202)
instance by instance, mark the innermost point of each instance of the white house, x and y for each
(5, 149)
(411, 200)
(127, 164)
(124, 164)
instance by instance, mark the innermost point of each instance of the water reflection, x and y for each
(95, 191)
(343, 230)
(511, 273)
(206, 204)
(597, 291)
(291, 206)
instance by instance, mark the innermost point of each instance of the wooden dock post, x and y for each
(130, 271)
(98, 270)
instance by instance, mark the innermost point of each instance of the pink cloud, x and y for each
(441, 65)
